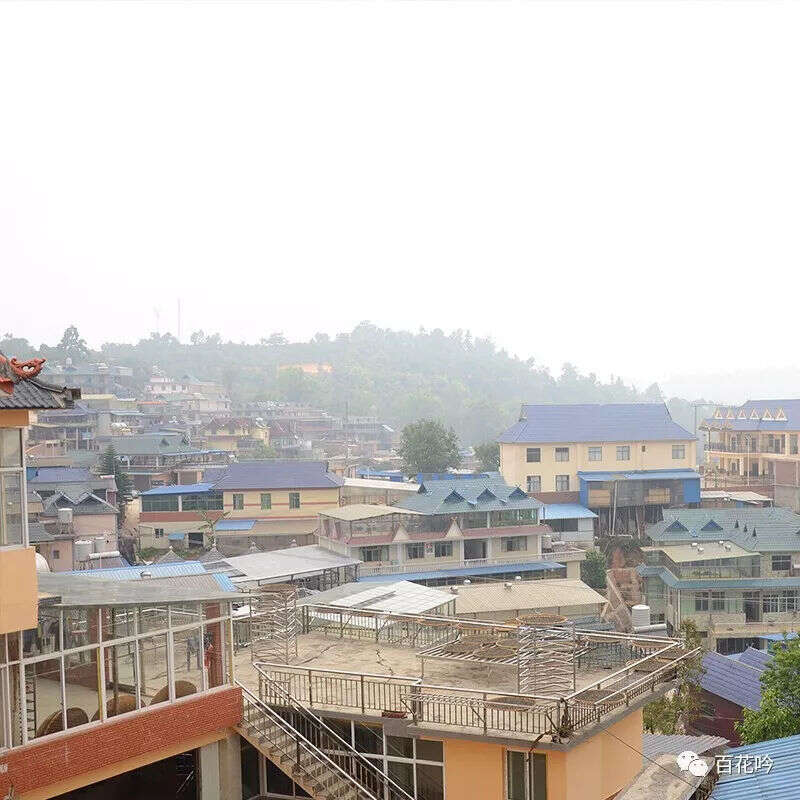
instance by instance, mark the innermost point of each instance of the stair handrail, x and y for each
(381, 777)
(302, 741)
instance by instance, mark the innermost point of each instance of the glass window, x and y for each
(294, 499)
(781, 561)
(266, 501)
(595, 454)
(526, 776)
(443, 549)
(416, 550)
(10, 447)
(533, 483)
(188, 656)
(562, 454)
(159, 502)
(153, 677)
(80, 627)
(368, 738)
(701, 601)
(402, 746)
(402, 773)
(679, 451)
(562, 483)
(430, 782)
(11, 527)
(374, 553)
(717, 601)
(238, 502)
(623, 452)
(80, 683)
(429, 750)
(211, 501)
(121, 678)
(533, 454)
(513, 544)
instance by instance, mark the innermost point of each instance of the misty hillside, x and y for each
(398, 376)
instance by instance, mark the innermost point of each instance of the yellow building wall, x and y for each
(18, 589)
(474, 770)
(312, 501)
(656, 455)
(594, 770)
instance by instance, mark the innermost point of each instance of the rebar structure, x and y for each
(274, 623)
(546, 655)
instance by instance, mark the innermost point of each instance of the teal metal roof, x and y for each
(640, 475)
(646, 570)
(464, 572)
(566, 511)
(775, 529)
(487, 492)
(781, 782)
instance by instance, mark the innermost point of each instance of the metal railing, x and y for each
(443, 563)
(310, 747)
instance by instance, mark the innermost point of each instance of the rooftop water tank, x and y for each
(81, 549)
(65, 516)
(41, 563)
(640, 616)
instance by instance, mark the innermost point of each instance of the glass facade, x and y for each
(84, 664)
(12, 528)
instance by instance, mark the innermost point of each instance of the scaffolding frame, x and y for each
(546, 658)
(274, 624)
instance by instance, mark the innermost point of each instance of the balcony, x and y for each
(516, 557)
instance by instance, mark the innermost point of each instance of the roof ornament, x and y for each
(754, 532)
(736, 525)
(745, 528)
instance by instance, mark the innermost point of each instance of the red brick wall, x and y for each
(82, 750)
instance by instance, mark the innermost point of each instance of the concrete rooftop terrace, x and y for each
(410, 669)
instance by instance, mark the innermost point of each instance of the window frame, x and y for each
(529, 486)
(563, 479)
(561, 454)
(294, 501)
(533, 455)
(623, 452)
(446, 545)
(784, 558)
(237, 500)
(266, 501)
(679, 451)
(415, 547)
(595, 453)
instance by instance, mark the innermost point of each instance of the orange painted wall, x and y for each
(14, 418)
(19, 589)
(473, 770)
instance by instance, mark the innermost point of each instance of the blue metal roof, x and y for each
(170, 569)
(777, 637)
(466, 572)
(224, 581)
(781, 782)
(235, 525)
(58, 474)
(758, 659)
(593, 422)
(732, 680)
(278, 474)
(641, 475)
(189, 488)
(566, 511)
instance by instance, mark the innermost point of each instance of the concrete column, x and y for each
(208, 766)
(230, 767)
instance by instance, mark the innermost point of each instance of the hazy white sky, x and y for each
(614, 184)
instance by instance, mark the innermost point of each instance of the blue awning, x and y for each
(465, 572)
(235, 525)
(176, 537)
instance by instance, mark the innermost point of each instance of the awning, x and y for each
(465, 572)
(235, 525)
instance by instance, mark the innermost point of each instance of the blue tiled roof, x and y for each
(58, 475)
(777, 637)
(278, 474)
(235, 525)
(646, 570)
(487, 492)
(776, 529)
(566, 511)
(641, 475)
(732, 680)
(593, 422)
(791, 410)
(466, 572)
(758, 659)
(187, 488)
(780, 783)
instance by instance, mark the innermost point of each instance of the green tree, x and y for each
(672, 713)
(110, 464)
(488, 455)
(593, 570)
(779, 714)
(72, 345)
(261, 451)
(428, 446)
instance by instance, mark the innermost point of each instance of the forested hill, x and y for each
(398, 376)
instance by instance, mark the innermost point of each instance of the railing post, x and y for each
(310, 691)
(485, 714)
(362, 694)
(297, 749)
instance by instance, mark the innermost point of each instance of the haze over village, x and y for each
(399, 401)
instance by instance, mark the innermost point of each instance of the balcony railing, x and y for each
(520, 556)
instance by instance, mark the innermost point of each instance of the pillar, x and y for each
(230, 767)
(208, 763)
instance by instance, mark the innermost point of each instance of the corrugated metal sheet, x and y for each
(192, 488)
(278, 474)
(566, 511)
(782, 782)
(758, 659)
(640, 475)
(280, 564)
(656, 744)
(733, 681)
(593, 422)
(235, 525)
(528, 566)
(135, 573)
